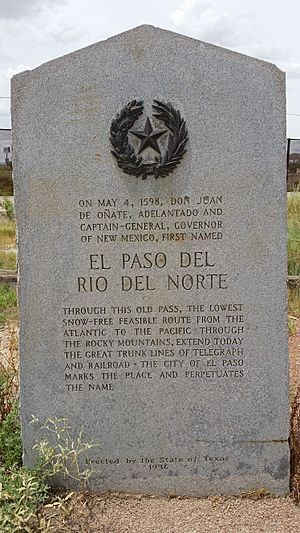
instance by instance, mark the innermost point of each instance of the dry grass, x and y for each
(294, 302)
(293, 208)
(8, 260)
(7, 234)
(9, 370)
(6, 183)
(8, 303)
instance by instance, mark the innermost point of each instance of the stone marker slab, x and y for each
(150, 197)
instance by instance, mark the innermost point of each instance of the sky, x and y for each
(35, 31)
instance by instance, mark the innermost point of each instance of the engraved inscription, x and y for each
(111, 346)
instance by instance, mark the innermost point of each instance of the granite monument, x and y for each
(150, 197)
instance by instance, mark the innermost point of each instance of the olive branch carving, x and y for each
(133, 164)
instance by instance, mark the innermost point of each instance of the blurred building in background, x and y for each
(5, 147)
(293, 163)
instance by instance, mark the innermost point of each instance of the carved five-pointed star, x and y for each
(148, 137)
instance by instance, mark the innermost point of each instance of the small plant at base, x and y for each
(61, 455)
(21, 492)
(24, 490)
(291, 326)
(8, 303)
(10, 439)
(9, 208)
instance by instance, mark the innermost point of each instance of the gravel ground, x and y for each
(294, 359)
(121, 513)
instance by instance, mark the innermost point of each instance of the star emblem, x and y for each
(148, 137)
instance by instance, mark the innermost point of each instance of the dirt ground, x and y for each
(294, 358)
(123, 513)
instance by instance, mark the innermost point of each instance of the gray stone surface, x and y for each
(180, 374)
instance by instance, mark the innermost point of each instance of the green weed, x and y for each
(8, 297)
(9, 208)
(23, 490)
(291, 326)
(8, 303)
(10, 439)
(59, 454)
(293, 208)
(294, 233)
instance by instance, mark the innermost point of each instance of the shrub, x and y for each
(10, 439)
(23, 490)
(9, 208)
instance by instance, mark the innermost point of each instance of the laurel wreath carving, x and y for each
(125, 155)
